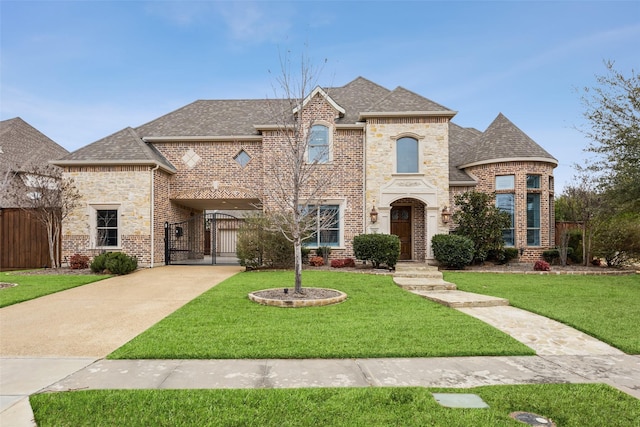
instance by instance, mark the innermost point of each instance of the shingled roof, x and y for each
(23, 147)
(360, 98)
(503, 141)
(122, 147)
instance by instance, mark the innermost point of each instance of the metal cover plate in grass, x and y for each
(532, 419)
(460, 400)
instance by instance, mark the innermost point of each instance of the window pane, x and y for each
(533, 219)
(533, 181)
(505, 182)
(407, 155)
(505, 202)
(319, 144)
(107, 218)
(108, 237)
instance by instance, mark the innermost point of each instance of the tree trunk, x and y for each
(297, 245)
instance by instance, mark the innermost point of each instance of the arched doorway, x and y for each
(408, 222)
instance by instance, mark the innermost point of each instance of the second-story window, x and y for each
(319, 151)
(407, 155)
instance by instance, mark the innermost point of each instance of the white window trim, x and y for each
(330, 130)
(420, 139)
(342, 208)
(93, 225)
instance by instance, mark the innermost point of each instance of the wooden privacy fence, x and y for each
(23, 241)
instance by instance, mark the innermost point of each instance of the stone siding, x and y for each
(127, 188)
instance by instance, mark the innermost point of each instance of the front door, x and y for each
(401, 227)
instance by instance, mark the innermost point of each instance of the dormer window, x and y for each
(319, 149)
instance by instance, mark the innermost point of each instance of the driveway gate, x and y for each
(202, 239)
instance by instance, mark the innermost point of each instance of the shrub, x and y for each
(377, 248)
(541, 266)
(503, 256)
(316, 261)
(77, 262)
(324, 252)
(551, 255)
(114, 262)
(343, 262)
(121, 263)
(452, 250)
(98, 263)
(259, 245)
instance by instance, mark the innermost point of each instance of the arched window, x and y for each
(407, 157)
(318, 144)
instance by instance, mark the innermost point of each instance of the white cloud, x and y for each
(255, 23)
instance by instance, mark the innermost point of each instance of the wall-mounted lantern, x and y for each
(446, 215)
(373, 215)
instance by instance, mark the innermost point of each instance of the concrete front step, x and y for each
(457, 299)
(403, 267)
(422, 284)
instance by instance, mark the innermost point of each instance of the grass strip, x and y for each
(37, 285)
(378, 319)
(568, 405)
(605, 307)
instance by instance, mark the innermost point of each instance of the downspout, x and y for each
(152, 212)
(364, 179)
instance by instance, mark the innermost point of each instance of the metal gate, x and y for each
(203, 239)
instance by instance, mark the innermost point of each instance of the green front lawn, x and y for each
(377, 320)
(605, 307)
(34, 286)
(568, 405)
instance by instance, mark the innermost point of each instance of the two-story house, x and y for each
(392, 152)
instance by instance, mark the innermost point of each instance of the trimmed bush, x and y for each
(503, 256)
(377, 248)
(114, 263)
(541, 266)
(316, 261)
(452, 250)
(344, 262)
(78, 262)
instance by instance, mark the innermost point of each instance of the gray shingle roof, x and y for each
(460, 141)
(503, 141)
(238, 118)
(23, 147)
(122, 147)
(403, 100)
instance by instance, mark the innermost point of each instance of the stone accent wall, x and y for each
(430, 186)
(128, 188)
(485, 174)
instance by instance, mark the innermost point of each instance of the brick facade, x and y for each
(200, 170)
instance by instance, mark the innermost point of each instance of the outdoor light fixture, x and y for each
(374, 215)
(521, 251)
(446, 215)
(286, 291)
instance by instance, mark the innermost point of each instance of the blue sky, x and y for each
(81, 70)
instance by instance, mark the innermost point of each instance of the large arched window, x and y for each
(319, 144)
(407, 157)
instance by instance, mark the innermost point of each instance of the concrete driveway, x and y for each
(95, 319)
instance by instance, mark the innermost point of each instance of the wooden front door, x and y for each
(401, 227)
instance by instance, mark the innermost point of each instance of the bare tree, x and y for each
(295, 179)
(49, 198)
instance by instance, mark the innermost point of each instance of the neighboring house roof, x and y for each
(23, 147)
(122, 147)
(503, 141)
(23, 150)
